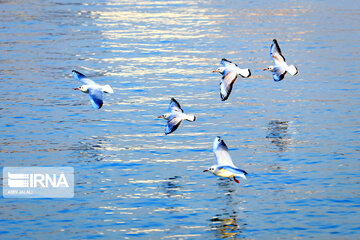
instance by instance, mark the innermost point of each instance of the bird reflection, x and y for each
(172, 188)
(278, 134)
(92, 148)
(227, 224)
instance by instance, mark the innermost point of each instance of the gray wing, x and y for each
(82, 78)
(95, 96)
(175, 106)
(172, 124)
(226, 62)
(235, 170)
(279, 73)
(222, 155)
(226, 85)
(275, 53)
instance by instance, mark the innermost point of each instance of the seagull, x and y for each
(280, 67)
(230, 72)
(175, 116)
(225, 166)
(93, 89)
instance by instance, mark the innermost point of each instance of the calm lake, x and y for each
(298, 138)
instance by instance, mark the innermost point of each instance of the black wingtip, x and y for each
(222, 145)
(167, 133)
(224, 59)
(174, 100)
(224, 98)
(277, 45)
(78, 73)
(281, 77)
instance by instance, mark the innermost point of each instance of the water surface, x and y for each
(297, 139)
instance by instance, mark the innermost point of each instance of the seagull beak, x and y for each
(76, 88)
(265, 69)
(160, 117)
(215, 71)
(205, 170)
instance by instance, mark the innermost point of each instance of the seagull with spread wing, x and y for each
(280, 67)
(175, 116)
(93, 89)
(224, 166)
(230, 72)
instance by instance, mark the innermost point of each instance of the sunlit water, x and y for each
(298, 139)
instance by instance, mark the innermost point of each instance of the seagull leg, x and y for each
(237, 181)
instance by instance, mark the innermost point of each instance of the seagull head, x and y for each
(220, 70)
(211, 169)
(164, 116)
(83, 88)
(270, 68)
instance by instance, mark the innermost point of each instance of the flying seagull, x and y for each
(175, 116)
(224, 166)
(280, 67)
(230, 72)
(93, 89)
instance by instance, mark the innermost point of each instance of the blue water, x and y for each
(298, 139)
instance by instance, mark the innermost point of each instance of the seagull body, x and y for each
(280, 67)
(175, 116)
(225, 166)
(230, 72)
(93, 89)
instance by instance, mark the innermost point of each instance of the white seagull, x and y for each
(175, 117)
(225, 166)
(280, 67)
(230, 72)
(93, 89)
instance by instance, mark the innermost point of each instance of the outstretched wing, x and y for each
(226, 62)
(234, 170)
(226, 85)
(81, 77)
(95, 96)
(175, 106)
(275, 53)
(172, 124)
(222, 155)
(279, 73)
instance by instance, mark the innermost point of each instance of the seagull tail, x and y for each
(292, 70)
(245, 73)
(190, 117)
(107, 89)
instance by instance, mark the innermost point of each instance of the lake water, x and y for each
(298, 139)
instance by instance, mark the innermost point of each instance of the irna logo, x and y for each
(35, 180)
(38, 182)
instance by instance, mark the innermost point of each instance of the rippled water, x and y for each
(298, 138)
